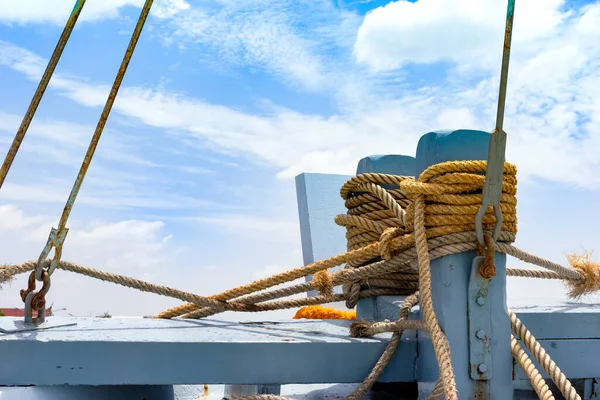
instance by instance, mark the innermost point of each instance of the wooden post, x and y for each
(375, 309)
(457, 309)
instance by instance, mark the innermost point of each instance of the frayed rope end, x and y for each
(361, 329)
(5, 276)
(591, 274)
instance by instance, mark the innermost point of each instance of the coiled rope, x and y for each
(392, 237)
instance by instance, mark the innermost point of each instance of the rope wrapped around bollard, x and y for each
(392, 234)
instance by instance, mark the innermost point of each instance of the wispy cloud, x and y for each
(295, 142)
(57, 11)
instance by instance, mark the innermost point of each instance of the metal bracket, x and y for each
(17, 325)
(55, 240)
(480, 324)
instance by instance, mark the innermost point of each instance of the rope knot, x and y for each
(487, 269)
(323, 283)
(385, 241)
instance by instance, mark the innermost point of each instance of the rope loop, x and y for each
(392, 235)
(487, 269)
(385, 241)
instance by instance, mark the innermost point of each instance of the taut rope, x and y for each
(392, 237)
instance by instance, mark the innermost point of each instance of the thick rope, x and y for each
(438, 391)
(402, 324)
(535, 378)
(440, 343)
(392, 237)
(561, 381)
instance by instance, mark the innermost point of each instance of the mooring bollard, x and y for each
(477, 326)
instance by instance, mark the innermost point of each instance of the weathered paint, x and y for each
(319, 201)
(385, 164)
(60, 231)
(449, 284)
(57, 235)
(505, 62)
(39, 92)
(480, 324)
(492, 188)
(146, 351)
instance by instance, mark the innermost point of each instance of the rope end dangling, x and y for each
(361, 329)
(591, 275)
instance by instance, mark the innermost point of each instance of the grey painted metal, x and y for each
(480, 324)
(384, 164)
(144, 351)
(319, 201)
(562, 320)
(576, 357)
(13, 326)
(450, 277)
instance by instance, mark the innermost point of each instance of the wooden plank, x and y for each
(142, 351)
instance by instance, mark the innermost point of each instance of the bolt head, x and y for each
(480, 300)
(480, 334)
(482, 368)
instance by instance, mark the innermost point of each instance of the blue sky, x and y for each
(225, 102)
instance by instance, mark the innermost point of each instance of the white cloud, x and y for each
(552, 120)
(276, 230)
(124, 174)
(139, 249)
(57, 11)
(462, 31)
(548, 94)
(13, 217)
